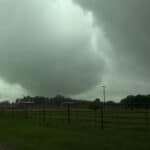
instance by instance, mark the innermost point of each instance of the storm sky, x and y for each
(72, 47)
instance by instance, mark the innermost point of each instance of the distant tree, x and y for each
(58, 100)
(5, 102)
(95, 105)
(110, 103)
(138, 101)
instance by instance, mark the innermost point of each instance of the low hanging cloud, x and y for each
(50, 47)
(127, 26)
(10, 91)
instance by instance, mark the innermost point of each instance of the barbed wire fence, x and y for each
(103, 118)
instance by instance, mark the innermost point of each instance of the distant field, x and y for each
(44, 129)
(108, 118)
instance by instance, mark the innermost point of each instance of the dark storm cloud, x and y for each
(127, 26)
(48, 47)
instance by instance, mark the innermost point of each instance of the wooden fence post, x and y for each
(68, 113)
(44, 114)
(102, 117)
(146, 118)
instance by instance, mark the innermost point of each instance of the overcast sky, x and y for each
(71, 47)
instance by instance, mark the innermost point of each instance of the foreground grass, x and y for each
(21, 135)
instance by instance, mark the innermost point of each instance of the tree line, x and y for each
(129, 101)
(136, 101)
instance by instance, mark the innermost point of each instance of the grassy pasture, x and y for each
(110, 118)
(45, 130)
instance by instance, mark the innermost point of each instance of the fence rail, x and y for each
(101, 118)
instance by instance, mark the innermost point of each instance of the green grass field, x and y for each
(29, 134)
(114, 118)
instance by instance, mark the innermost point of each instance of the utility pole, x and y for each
(103, 106)
(104, 94)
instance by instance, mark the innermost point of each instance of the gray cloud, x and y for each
(10, 91)
(127, 26)
(50, 47)
(55, 46)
